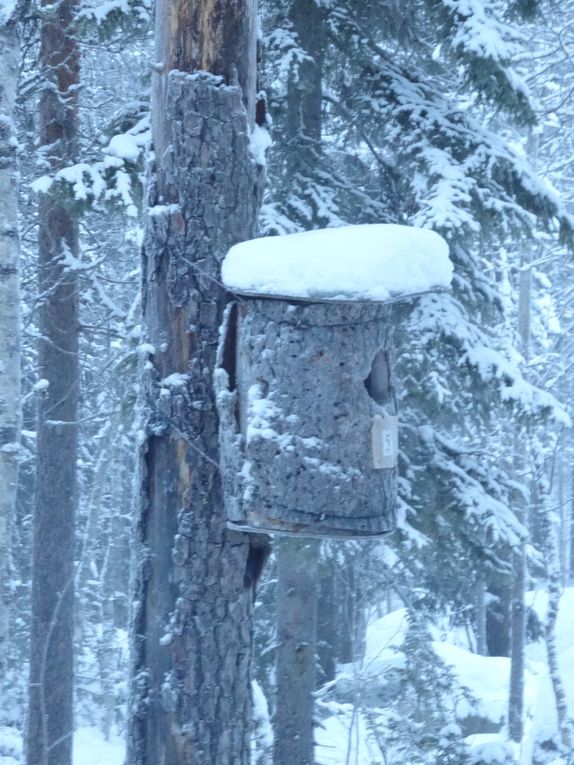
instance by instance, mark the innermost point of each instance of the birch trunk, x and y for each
(50, 715)
(554, 595)
(9, 318)
(564, 536)
(571, 512)
(191, 623)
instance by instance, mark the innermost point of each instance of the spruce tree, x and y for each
(418, 99)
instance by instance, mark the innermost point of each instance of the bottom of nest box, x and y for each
(300, 530)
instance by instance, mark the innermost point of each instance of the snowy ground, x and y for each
(90, 748)
(343, 735)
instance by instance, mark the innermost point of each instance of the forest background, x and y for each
(444, 643)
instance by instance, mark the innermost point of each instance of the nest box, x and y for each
(305, 377)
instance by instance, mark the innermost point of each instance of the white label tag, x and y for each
(385, 434)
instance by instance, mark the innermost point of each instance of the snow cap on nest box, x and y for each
(376, 263)
(304, 381)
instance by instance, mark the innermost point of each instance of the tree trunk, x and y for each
(296, 638)
(9, 318)
(50, 719)
(217, 36)
(517, 643)
(349, 624)
(564, 533)
(326, 608)
(554, 595)
(191, 622)
(341, 622)
(114, 582)
(297, 561)
(518, 605)
(498, 620)
(480, 617)
(305, 92)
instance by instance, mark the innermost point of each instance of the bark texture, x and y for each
(50, 716)
(297, 418)
(9, 318)
(296, 641)
(305, 91)
(191, 625)
(217, 36)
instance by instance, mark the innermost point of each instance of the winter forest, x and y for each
(286, 446)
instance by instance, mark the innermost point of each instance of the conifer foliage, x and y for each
(421, 106)
(444, 114)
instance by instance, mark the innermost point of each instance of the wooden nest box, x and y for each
(305, 384)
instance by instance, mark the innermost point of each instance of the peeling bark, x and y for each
(216, 36)
(191, 621)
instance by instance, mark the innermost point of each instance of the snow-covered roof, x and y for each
(370, 263)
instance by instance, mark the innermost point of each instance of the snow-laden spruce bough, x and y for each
(305, 384)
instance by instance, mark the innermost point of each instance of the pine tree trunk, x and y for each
(305, 92)
(191, 625)
(9, 318)
(50, 718)
(297, 560)
(296, 638)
